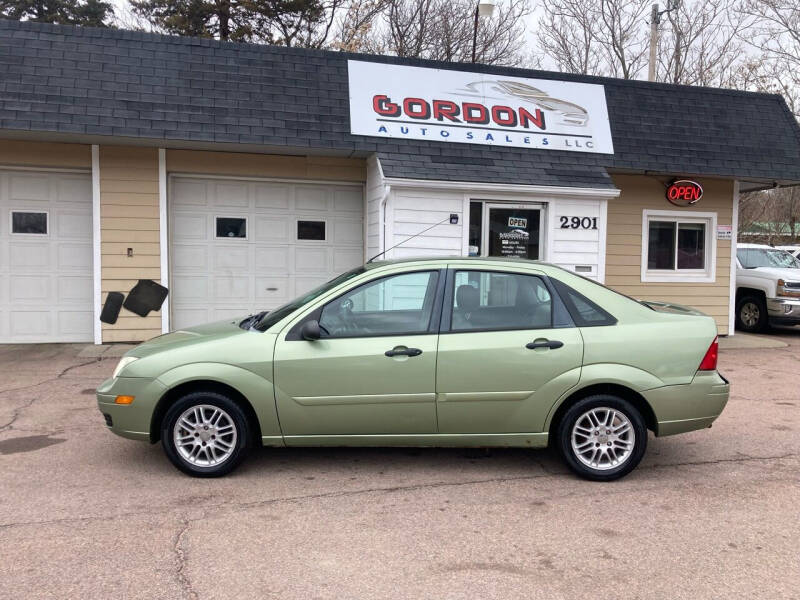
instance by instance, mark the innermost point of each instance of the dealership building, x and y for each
(240, 176)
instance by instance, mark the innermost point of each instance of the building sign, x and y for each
(724, 232)
(396, 101)
(684, 192)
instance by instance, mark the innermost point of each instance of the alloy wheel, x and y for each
(205, 435)
(603, 438)
(749, 314)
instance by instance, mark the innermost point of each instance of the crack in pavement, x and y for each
(237, 506)
(17, 412)
(181, 556)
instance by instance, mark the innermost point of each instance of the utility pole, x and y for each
(655, 17)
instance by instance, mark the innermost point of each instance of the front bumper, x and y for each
(682, 408)
(783, 311)
(129, 420)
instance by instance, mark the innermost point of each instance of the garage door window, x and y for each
(28, 223)
(678, 246)
(232, 227)
(311, 230)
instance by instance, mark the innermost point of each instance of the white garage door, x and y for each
(242, 246)
(46, 288)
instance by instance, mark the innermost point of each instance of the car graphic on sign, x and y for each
(570, 113)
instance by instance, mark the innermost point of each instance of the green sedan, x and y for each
(429, 352)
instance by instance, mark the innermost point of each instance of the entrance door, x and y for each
(374, 369)
(512, 230)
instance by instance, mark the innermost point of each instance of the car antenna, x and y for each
(453, 218)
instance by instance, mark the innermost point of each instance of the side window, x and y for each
(398, 304)
(584, 312)
(484, 300)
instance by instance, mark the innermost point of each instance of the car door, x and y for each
(507, 350)
(373, 370)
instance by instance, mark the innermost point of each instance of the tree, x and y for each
(91, 13)
(439, 30)
(699, 42)
(282, 22)
(595, 37)
(775, 34)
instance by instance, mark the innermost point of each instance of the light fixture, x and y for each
(486, 7)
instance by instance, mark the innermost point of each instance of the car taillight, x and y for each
(709, 362)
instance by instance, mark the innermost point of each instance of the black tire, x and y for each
(239, 443)
(577, 411)
(745, 307)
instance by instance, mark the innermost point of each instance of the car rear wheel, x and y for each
(602, 437)
(205, 434)
(751, 314)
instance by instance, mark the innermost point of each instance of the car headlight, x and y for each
(788, 289)
(124, 362)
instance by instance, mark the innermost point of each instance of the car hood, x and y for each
(189, 337)
(777, 272)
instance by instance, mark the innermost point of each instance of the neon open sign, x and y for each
(684, 192)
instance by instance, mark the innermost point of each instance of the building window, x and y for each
(231, 227)
(311, 230)
(28, 223)
(678, 246)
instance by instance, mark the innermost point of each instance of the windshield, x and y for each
(279, 313)
(752, 258)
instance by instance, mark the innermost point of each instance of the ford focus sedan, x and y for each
(430, 352)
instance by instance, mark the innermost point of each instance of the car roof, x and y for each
(765, 246)
(489, 260)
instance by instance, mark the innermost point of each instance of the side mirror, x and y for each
(310, 331)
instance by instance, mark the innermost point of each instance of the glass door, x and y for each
(512, 230)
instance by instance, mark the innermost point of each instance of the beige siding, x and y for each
(624, 245)
(45, 155)
(266, 165)
(129, 217)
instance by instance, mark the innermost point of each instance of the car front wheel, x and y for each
(205, 434)
(602, 437)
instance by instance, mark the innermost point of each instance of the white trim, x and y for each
(46, 214)
(466, 214)
(734, 259)
(96, 245)
(603, 241)
(349, 183)
(76, 170)
(163, 234)
(707, 275)
(548, 190)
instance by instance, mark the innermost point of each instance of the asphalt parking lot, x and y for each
(85, 514)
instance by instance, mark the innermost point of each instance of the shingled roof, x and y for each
(90, 84)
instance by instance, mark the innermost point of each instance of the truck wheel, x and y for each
(751, 314)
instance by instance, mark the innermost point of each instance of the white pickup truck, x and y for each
(767, 287)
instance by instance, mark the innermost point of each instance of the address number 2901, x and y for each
(578, 222)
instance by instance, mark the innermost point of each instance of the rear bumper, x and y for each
(682, 408)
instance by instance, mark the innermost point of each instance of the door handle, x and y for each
(552, 344)
(403, 351)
